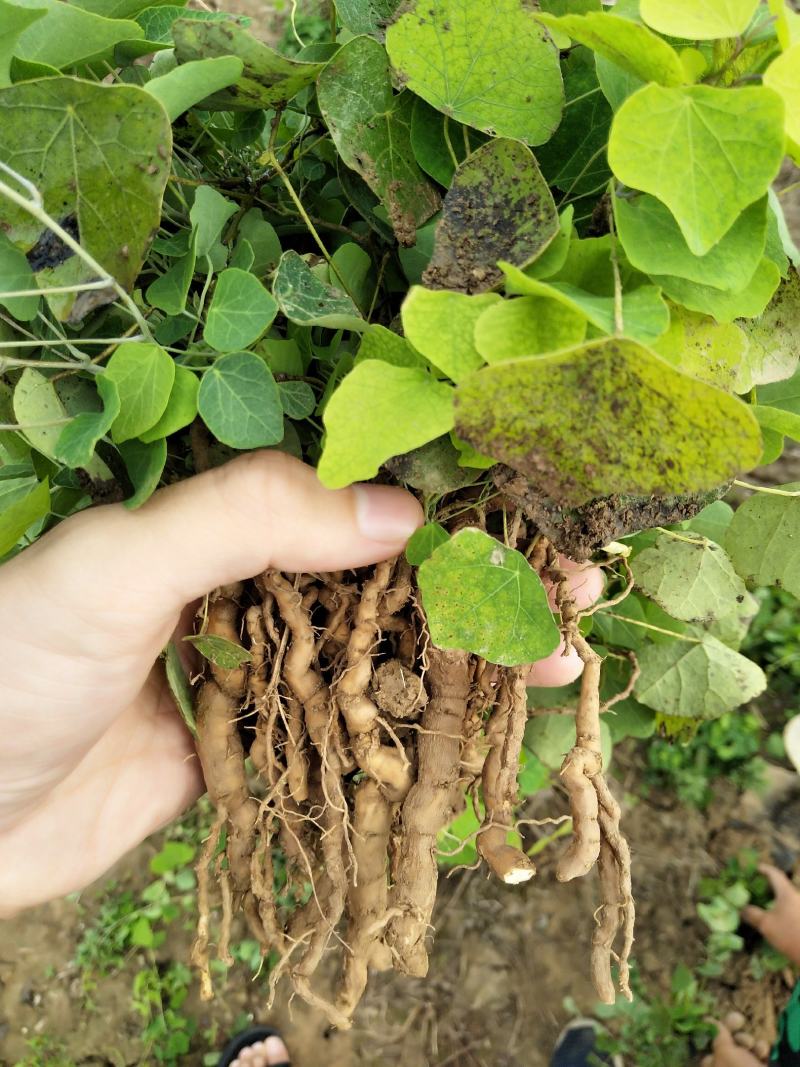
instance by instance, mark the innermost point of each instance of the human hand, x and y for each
(94, 756)
(728, 1053)
(780, 925)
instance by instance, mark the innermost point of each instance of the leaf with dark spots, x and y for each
(498, 207)
(49, 250)
(606, 417)
(371, 127)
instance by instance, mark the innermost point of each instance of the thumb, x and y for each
(121, 568)
(754, 917)
(781, 884)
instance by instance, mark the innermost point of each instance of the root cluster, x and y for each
(364, 740)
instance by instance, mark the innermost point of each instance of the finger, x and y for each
(754, 917)
(584, 582)
(707, 1061)
(262, 510)
(782, 885)
(557, 669)
(723, 1042)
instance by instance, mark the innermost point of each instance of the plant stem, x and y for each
(448, 142)
(35, 207)
(650, 626)
(765, 489)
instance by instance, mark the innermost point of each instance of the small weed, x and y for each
(45, 1051)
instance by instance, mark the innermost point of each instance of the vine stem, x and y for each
(619, 321)
(656, 629)
(766, 489)
(55, 342)
(34, 206)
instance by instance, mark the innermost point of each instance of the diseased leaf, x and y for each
(498, 207)
(239, 402)
(191, 82)
(654, 244)
(145, 464)
(380, 411)
(696, 680)
(439, 143)
(441, 325)
(435, 468)
(783, 75)
(764, 540)
(365, 16)
(371, 127)
(704, 348)
(706, 153)
(99, 154)
(220, 651)
(424, 542)
(699, 20)
(241, 310)
(486, 599)
(76, 443)
(488, 65)
(268, 79)
(725, 306)
(143, 374)
(157, 21)
(17, 517)
(633, 424)
(693, 582)
(181, 407)
(773, 353)
(304, 299)
(628, 44)
(527, 326)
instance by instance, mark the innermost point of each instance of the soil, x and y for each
(505, 957)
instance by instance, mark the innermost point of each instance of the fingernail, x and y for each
(385, 513)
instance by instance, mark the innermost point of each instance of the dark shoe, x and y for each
(245, 1040)
(576, 1047)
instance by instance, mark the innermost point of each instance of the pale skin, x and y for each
(780, 926)
(94, 757)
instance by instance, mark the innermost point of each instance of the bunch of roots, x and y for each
(365, 741)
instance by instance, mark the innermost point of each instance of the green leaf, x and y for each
(304, 299)
(380, 411)
(141, 934)
(371, 127)
(181, 407)
(424, 542)
(712, 522)
(498, 207)
(699, 20)
(268, 79)
(68, 36)
(16, 275)
(188, 84)
(351, 268)
(785, 423)
(14, 20)
(764, 540)
(379, 343)
(488, 65)
(38, 409)
(76, 443)
(241, 311)
(208, 215)
(748, 302)
(145, 464)
(441, 325)
(633, 423)
(261, 234)
(628, 44)
(243, 257)
(439, 143)
(143, 374)
(700, 346)
(179, 686)
(17, 517)
(99, 154)
(219, 650)
(706, 153)
(696, 680)
(574, 159)
(157, 21)
(645, 316)
(551, 736)
(365, 16)
(773, 352)
(555, 255)
(527, 326)
(484, 598)
(784, 394)
(783, 75)
(435, 468)
(170, 290)
(694, 582)
(239, 402)
(173, 855)
(617, 84)
(654, 244)
(297, 399)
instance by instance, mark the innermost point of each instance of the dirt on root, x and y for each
(504, 959)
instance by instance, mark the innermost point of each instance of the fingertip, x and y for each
(556, 669)
(386, 514)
